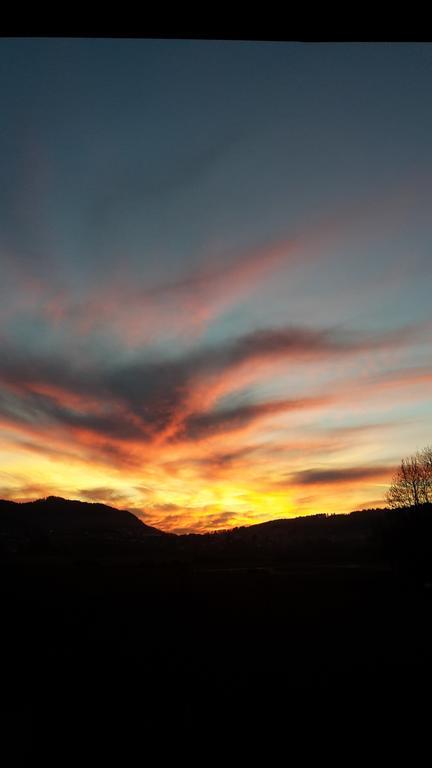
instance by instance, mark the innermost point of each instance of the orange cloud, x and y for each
(152, 423)
(137, 311)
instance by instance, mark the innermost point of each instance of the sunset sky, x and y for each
(215, 274)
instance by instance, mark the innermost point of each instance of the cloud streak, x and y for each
(179, 451)
(341, 475)
(160, 399)
(138, 310)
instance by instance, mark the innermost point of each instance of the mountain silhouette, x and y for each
(55, 515)
(58, 528)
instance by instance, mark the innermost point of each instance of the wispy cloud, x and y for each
(137, 311)
(157, 399)
(341, 475)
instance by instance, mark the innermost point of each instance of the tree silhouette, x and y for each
(412, 483)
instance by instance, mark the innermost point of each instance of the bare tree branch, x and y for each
(412, 482)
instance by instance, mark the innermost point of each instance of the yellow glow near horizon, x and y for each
(171, 503)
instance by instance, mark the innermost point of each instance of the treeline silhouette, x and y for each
(125, 628)
(60, 530)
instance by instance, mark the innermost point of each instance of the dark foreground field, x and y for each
(188, 637)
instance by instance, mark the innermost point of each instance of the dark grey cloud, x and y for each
(43, 410)
(137, 400)
(225, 459)
(157, 389)
(343, 475)
(224, 420)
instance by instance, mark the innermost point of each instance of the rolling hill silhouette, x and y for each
(77, 528)
(57, 515)
(99, 608)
